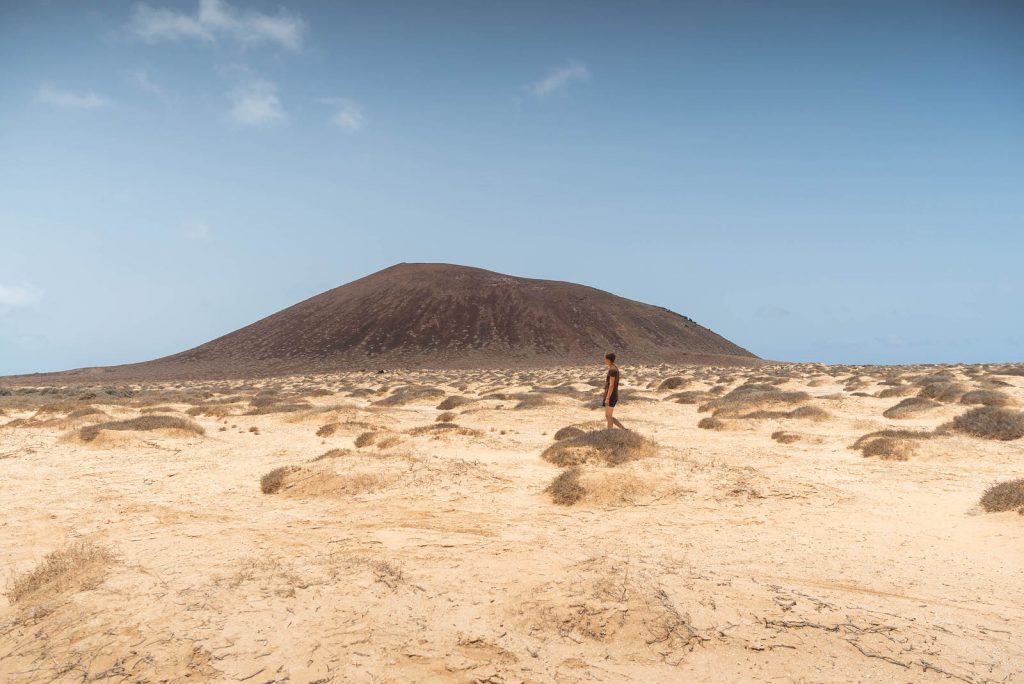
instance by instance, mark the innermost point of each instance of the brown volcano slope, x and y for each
(440, 315)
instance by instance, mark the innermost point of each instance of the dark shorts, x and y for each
(612, 403)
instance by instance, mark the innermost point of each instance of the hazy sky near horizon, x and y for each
(826, 181)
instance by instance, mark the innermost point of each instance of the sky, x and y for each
(816, 181)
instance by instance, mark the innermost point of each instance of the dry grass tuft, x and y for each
(388, 442)
(333, 453)
(446, 417)
(610, 447)
(675, 382)
(79, 565)
(908, 408)
(896, 391)
(274, 480)
(453, 402)
(688, 397)
(784, 437)
(565, 489)
(1004, 496)
(142, 423)
(409, 394)
(568, 432)
(991, 422)
(711, 423)
(946, 392)
(365, 439)
(752, 397)
(985, 397)
(327, 430)
(889, 449)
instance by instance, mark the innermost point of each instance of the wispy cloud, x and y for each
(348, 115)
(196, 231)
(560, 78)
(20, 295)
(256, 104)
(68, 99)
(141, 79)
(214, 19)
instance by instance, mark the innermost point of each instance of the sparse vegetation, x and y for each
(327, 430)
(784, 437)
(274, 480)
(80, 565)
(610, 447)
(453, 402)
(446, 417)
(365, 439)
(409, 394)
(711, 423)
(751, 397)
(946, 392)
(672, 383)
(986, 397)
(1004, 496)
(566, 489)
(909, 407)
(142, 423)
(568, 432)
(991, 422)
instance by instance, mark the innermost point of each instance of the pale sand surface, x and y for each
(724, 556)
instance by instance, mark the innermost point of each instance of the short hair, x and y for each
(610, 356)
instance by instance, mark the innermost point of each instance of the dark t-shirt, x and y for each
(613, 372)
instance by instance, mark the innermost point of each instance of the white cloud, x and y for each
(20, 295)
(197, 231)
(213, 19)
(256, 104)
(140, 78)
(70, 100)
(560, 77)
(348, 115)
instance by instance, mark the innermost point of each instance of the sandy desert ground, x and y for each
(413, 526)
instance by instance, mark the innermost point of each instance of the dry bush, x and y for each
(327, 430)
(751, 397)
(278, 407)
(437, 427)
(388, 442)
(945, 392)
(142, 423)
(409, 394)
(896, 391)
(529, 401)
(387, 573)
(453, 402)
(675, 382)
(365, 439)
(991, 422)
(320, 392)
(568, 432)
(85, 411)
(1004, 496)
(784, 437)
(274, 480)
(985, 397)
(815, 413)
(79, 565)
(1013, 370)
(909, 407)
(711, 423)
(889, 448)
(566, 489)
(610, 447)
(333, 453)
(688, 397)
(446, 417)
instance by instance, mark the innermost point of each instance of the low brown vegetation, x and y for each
(333, 453)
(568, 432)
(946, 392)
(327, 430)
(991, 422)
(784, 437)
(408, 394)
(752, 397)
(986, 397)
(566, 489)
(711, 423)
(453, 402)
(909, 407)
(610, 447)
(274, 480)
(446, 417)
(1004, 496)
(80, 565)
(142, 423)
(365, 439)
(889, 449)
(674, 382)
(688, 397)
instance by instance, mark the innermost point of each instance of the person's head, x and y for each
(609, 358)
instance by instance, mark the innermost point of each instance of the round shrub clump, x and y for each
(1004, 496)
(991, 422)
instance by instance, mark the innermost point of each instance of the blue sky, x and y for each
(828, 181)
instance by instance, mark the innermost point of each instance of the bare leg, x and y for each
(612, 420)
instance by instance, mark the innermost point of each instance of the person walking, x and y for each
(611, 391)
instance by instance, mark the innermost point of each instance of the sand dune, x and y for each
(479, 526)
